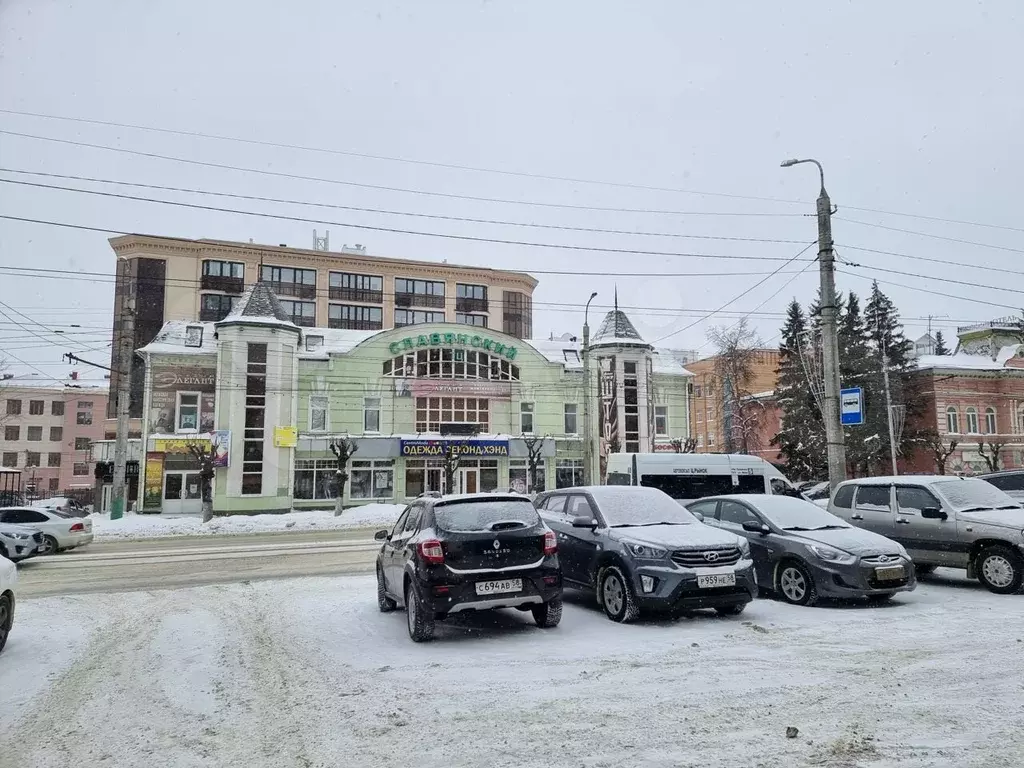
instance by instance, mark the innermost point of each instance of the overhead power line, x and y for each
(928, 234)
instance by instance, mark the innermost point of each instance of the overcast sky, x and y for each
(912, 107)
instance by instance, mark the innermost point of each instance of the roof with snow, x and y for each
(39, 381)
(1008, 358)
(180, 337)
(258, 304)
(617, 329)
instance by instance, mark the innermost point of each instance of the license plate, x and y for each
(499, 587)
(717, 580)
(894, 573)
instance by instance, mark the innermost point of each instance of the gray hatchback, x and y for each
(801, 552)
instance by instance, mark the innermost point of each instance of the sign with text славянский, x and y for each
(470, 340)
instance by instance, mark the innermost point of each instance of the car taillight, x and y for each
(431, 551)
(77, 527)
(550, 544)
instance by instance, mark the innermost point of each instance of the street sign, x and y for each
(851, 406)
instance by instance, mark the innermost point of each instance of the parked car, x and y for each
(1009, 481)
(63, 504)
(637, 550)
(956, 522)
(817, 492)
(59, 531)
(19, 542)
(802, 553)
(468, 553)
(8, 581)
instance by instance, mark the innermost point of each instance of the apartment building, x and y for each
(47, 429)
(166, 278)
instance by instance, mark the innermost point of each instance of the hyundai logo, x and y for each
(883, 558)
(711, 556)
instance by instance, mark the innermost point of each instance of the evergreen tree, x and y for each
(940, 344)
(855, 370)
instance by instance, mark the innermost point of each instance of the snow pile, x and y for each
(154, 526)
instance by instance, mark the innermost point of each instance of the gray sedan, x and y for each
(802, 552)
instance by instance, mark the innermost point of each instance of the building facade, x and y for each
(48, 428)
(163, 279)
(269, 397)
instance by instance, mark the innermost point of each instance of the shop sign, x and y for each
(152, 494)
(286, 437)
(474, 341)
(441, 448)
(180, 445)
(220, 446)
(497, 390)
(167, 382)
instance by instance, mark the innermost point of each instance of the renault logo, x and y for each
(711, 556)
(497, 544)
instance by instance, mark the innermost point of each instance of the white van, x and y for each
(690, 476)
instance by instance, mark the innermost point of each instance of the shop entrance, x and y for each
(183, 494)
(469, 480)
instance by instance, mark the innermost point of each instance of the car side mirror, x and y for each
(698, 515)
(755, 526)
(380, 536)
(933, 513)
(582, 521)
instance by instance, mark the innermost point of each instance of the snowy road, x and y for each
(307, 673)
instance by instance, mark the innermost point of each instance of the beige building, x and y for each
(200, 280)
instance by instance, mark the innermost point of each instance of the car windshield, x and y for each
(485, 515)
(626, 507)
(796, 515)
(968, 494)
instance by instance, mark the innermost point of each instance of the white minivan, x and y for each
(691, 476)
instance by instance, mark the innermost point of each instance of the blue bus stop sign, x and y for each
(851, 406)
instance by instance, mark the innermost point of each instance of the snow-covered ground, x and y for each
(308, 673)
(156, 526)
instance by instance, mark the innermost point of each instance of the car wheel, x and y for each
(421, 623)
(6, 619)
(549, 614)
(880, 598)
(49, 546)
(795, 584)
(731, 610)
(617, 596)
(923, 569)
(1000, 569)
(385, 603)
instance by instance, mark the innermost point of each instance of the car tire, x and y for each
(1000, 569)
(882, 598)
(49, 546)
(549, 614)
(617, 596)
(923, 569)
(731, 610)
(6, 618)
(795, 585)
(385, 603)
(419, 621)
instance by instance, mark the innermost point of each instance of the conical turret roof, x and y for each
(617, 328)
(259, 304)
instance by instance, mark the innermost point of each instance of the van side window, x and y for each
(911, 499)
(873, 497)
(748, 484)
(844, 497)
(692, 486)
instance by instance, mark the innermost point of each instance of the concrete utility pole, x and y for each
(829, 333)
(588, 437)
(125, 345)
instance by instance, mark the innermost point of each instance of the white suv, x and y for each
(8, 579)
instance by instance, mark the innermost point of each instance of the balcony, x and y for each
(419, 300)
(305, 322)
(356, 294)
(211, 315)
(298, 290)
(465, 304)
(354, 325)
(226, 284)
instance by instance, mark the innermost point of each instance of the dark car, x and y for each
(1009, 481)
(638, 550)
(802, 552)
(468, 553)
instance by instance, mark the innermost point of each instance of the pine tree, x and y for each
(940, 344)
(854, 371)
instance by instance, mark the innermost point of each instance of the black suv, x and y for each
(637, 549)
(468, 553)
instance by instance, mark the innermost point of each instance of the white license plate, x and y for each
(717, 580)
(499, 587)
(890, 573)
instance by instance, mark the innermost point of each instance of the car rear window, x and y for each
(459, 516)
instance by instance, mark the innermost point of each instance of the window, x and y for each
(80, 468)
(371, 414)
(13, 407)
(705, 508)
(526, 418)
(56, 434)
(255, 412)
(300, 312)
(31, 459)
(453, 364)
(318, 413)
(85, 404)
(187, 412)
(520, 480)
(571, 427)
(480, 321)
(568, 473)
(57, 408)
(12, 433)
(36, 407)
(579, 506)
(844, 497)
(517, 319)
(661, 420)
(470, 298)
(53, 483)
(711, 439)
(418, 293)
(873, 497)
(1013, 481)
(355, 318)
(952, 421)
(910, 499)
(10, 459)
(223, 269)
(215, 306)
(432, 412)
(972, 421)
(424, 476)
(411, 317)
(351, 287)
(735, 513)
(372, 479)
(990, 421)
(83, 418)
(290, 281)
(23, 516)
(82, 443)
(555, 504)
(53, 459)
(34, 434)
(316, 479)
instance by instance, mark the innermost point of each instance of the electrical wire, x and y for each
(928, 234)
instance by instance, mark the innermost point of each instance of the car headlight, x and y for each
(14, 535)
(830, 555)
(903, 551)
(744, 548)
(647, 552)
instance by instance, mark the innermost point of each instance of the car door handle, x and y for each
(902, 521)
(856, 517)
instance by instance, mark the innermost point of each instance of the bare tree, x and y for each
(735, 357)
(993, 455)
(688, 445)
(452, 462)
(534, 448)
(940, 450)
(203, 456)
(342, 448)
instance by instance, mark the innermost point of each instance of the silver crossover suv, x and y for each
(941, 520)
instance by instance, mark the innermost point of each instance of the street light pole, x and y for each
(588, 447)
(829, 333)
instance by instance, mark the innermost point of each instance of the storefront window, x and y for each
(568, 473)
(372, 480)
(520, 480)
(451, 364)
(314, 479)
(432, 412)
(423, 476)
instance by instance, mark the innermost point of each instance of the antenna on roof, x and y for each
(616, 297)
(322, 243)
